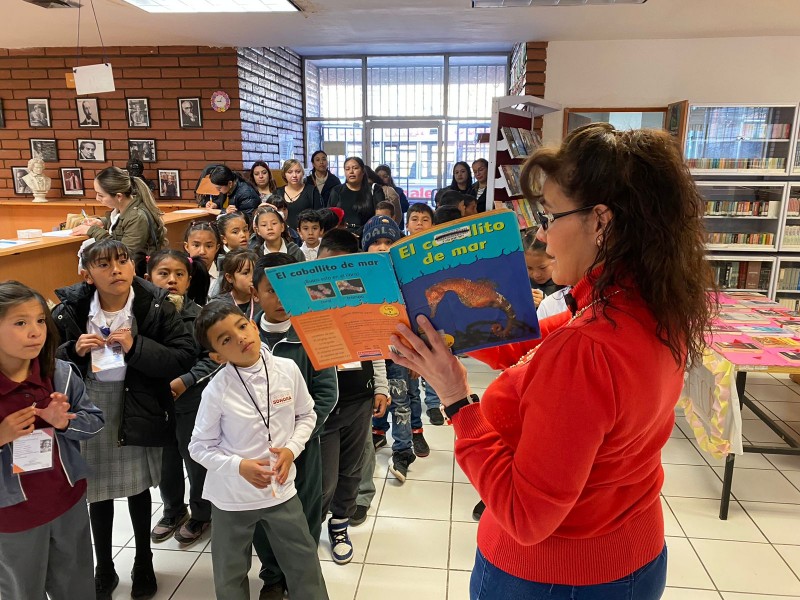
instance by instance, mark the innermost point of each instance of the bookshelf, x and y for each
(512, 123)
(742, 139)
(736, 273)
(790, 241)
(743, 215)
(787, 282)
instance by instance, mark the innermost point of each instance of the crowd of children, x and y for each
(196, 367)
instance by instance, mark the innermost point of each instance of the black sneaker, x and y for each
(144, 581)
(271, 591)
(421, 447)
(436, 417)
(167, 526)
(478, 510)
(378, 440)
(359, 516)
(399, 464)
(105, 582)
(191, 531)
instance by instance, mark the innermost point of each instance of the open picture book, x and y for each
(467, 276)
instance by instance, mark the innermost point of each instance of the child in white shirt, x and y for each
(254, 420)
(310, 229)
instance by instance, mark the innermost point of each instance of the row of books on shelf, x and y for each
(789, 278)
(745, 275)
(522, 208)
(753, 239)
(511, 173)
(759, 208)
(790, 303)
(793, 207)
(734, 128)
(521, 142)
(773, 131)
(791, 235)
(736, 163)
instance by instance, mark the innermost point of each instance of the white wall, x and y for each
(657, 72)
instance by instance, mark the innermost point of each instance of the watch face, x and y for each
(220, 101)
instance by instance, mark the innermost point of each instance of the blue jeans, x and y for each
(400, 409)
(647, 583)
(431, 401)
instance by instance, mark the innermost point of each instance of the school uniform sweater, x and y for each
(229, 428)
(565, 450)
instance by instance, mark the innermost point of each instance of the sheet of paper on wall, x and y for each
(94, 79)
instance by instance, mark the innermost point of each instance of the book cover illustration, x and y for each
(511, 173)
(778, 342)
(764, 330)
(737, 346)
(343, 308)
(743, 317)
(469, 278)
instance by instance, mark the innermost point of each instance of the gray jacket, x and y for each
(88, 422)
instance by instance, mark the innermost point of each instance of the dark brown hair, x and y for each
(14, 293)
(656, 236)
(235, 261)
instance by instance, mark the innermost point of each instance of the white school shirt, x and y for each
(553, 304)
(310, 253)
(97, 319)
(214, 282)
(228, 429)
(282, 248)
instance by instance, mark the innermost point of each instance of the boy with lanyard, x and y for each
(277, 333)
(251, 472)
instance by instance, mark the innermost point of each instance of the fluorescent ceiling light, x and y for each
(518, 3)
(213, 6)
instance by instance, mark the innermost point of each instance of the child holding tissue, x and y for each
(255, 418)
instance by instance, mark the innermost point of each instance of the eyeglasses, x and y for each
(545, 219)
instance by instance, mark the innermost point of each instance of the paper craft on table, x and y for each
(33, 452)
(59, 233)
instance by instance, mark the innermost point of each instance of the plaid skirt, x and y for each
(116, 471)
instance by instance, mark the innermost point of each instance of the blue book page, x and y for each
(470, 279)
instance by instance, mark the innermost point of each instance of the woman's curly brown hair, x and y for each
(656, 235)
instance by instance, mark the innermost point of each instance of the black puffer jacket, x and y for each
(162, 350)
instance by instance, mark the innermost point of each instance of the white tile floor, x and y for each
(421, 537)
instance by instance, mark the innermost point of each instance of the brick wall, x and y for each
(271, 92)
(531, 81)
(161, 74)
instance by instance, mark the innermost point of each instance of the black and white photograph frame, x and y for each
(2, 116)
(91, 150)
(72, 181)
(88, 112)
(20, 187)
(144, 150)
(169, 183)
(39, 113)
(138, 112)
(189, 112)
(46, 149)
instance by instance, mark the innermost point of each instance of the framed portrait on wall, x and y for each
(45, 149)
(189, 111)
(675, 120)
(2, 116)
(20, 187)
(72, 181)
(88, 112)
(169, 183)
(144, 150)
(38, 112)
(138, 112)
(91, 150)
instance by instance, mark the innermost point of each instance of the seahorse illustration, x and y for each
(473, 294)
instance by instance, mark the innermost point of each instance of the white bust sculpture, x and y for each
(36, 180)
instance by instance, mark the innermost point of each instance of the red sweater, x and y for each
(565, 450)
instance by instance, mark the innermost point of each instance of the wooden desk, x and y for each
(20, 214)
(50, 263)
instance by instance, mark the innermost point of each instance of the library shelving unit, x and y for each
(505, 157)
(743, 157)
(743, 216)
(738, 273)
(786, 289)
(741, 139)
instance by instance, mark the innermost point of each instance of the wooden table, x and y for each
(20, 214)
(52, 262)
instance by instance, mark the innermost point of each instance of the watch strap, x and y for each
(451, 410)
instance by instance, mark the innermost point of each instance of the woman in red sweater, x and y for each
(565, 446)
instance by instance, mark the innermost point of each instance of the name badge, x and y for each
(107, 357)
(33, 452)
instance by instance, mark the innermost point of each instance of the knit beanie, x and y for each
(379, 226)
